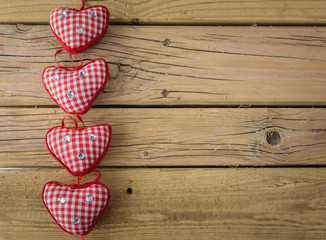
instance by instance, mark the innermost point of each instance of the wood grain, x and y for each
(178, 204)
(177, 136)
(295, 12)
(151, 65)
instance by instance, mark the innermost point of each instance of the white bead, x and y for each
(80, 155)
(61, 200)
(76, 220)
(92, 137)
(55, 77)
(63, 14)
(93, 14)
(82, 74)
(66, 138)
(79, 30)
(70, 94)
(89, 198)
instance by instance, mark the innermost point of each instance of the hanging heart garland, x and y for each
(76, 208)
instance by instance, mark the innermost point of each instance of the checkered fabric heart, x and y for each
(77, 30)
(75, 90)
(76, 209)
(80, 150)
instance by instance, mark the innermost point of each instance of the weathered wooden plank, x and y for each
(178, 204)
(198, 65)
(178, 12)
(177, 137)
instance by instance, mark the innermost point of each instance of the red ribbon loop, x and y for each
(81, 176)
(80, 119)
(72, 61)
(83, 5)
(63, 121)
(76, 124)
(98, 176)
(78, 180)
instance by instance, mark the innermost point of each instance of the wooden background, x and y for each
(218, 119)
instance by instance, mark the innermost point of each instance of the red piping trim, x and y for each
(78, 187)
(95, 96)
(95, 164)
(82, 49)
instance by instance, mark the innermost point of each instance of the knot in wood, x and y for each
(273, 137)
(166, 42)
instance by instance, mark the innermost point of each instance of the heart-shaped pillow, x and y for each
(75, 90)
(79, 150)
(75, 209)
(77, 30)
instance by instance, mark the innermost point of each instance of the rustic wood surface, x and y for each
(178, 11)
(210, 171)
(176, 136)
(170, 65)
(178, 204)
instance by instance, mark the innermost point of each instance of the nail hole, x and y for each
(145, 154)
(273, 138)
(129, 190)
(165, 93)
(135, 21)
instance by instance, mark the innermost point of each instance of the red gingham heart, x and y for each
(80, 150)
(75, 90)
(75, 209)
(77, 30)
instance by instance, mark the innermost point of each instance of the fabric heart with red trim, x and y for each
(76, 209)
(77, 30)
(75, 90)
(79, 150)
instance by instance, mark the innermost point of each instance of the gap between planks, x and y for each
(174, 167)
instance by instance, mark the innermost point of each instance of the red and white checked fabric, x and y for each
(83, 89)
(69, 204)
(76, 29)
(91, 151)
